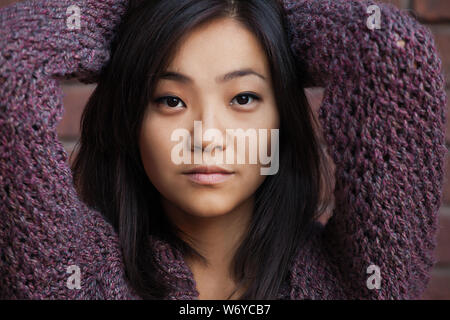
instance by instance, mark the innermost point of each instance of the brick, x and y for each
(446, 187)
(447, 129)
(442, 39)
(402, 4)
(439, 285)
(75, 98)
(432, 10)
(443, 245)
(4, 3)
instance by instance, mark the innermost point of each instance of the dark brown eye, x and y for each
(243, 99)
(171, 102)
(246, 98)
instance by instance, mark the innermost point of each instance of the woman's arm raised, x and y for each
(47, 234)
(383, 117)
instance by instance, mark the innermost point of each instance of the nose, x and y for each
(208, 130)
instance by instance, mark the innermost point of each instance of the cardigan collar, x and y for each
(173, 266)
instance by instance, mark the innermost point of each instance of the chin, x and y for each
(208, 210)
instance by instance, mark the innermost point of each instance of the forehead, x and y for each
(218, 46)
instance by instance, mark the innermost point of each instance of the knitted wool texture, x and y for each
(383, 117)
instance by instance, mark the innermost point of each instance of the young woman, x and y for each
(132, 223)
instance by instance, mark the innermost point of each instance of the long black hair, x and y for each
(109, 174)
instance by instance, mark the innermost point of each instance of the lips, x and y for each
(208, 169)
(208, 175)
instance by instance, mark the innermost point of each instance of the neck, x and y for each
(215, 238)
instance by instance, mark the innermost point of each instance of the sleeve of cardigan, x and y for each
(47, 235)
(383, 118)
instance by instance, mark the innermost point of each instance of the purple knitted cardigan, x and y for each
(383, 117)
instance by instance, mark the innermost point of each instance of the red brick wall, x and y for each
(433, 13)
(4, 3)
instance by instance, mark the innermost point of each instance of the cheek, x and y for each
(155, 147)
(273, 122)
(267, 118)
(251, 179)
(273, 117)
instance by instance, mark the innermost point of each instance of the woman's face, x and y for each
(194, 89)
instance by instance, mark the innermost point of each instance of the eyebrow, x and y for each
(175, 76)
